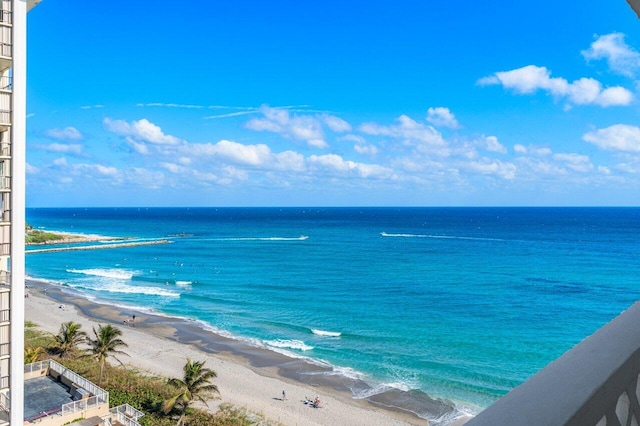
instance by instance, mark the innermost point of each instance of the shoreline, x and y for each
(259, 375)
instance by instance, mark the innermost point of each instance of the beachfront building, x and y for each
(56, 396)
(13, 76)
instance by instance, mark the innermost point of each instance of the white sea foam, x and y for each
(440, 237)
(119, 274)
(119, 287)
(300, 238)
(184, 283)
(380, 388)
(326, 333)
(289, 344)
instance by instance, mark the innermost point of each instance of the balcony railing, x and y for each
(5, 278)
(5, 16)
(594, 384)
(5, 249)
(5, 349)
(5, 116)
(6, 82)
(5, 50)
(4, 402)
(5, 149)
(5, 182)
(4, 382)
(126, 415)
(5, 315)
(5, 216)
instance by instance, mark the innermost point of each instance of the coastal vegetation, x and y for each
(106, 344)
(69, 338)
(35, 236)
(195, 385)
(146, 392)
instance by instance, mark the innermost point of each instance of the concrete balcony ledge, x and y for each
(595, 383)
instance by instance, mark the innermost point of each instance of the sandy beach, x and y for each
(161, 345)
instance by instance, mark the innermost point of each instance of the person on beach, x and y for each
(284, 395)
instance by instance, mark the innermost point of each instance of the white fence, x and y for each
(98, 395)
(126, 415)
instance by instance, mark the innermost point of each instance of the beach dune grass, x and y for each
(143, 391)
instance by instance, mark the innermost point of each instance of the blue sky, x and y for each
(333, 103)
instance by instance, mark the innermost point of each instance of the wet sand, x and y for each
(248, 376)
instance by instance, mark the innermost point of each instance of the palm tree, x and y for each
(33, 354)
(195, 385)
(68, 338)
(106, 344)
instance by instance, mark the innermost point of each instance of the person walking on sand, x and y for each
(284, 395)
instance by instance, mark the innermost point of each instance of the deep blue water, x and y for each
(461, 303)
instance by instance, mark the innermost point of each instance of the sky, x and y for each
(333, 103)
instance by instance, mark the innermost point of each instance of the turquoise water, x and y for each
(461, 303)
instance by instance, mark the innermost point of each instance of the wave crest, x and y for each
(289, 344)
(326, 333)
(119, 274)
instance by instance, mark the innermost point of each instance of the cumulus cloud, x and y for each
(335, 163)
(259, 155)
(31, 169)
(442, 117)
(491, 143)
(60, 162)
(533, 150)
(140, 131)
(620, 57)
(487, 166)
(619, 137)
(585, 91)
(68, 133)
(336, 124)
(576, 162)
(61, 148)
(410, 132)
(298, 127)
(366, 149)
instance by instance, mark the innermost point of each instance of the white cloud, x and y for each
(30, 169)
(98, 169)
(585, 91)
(336, 163)
(492, 167)
(533, 150)
(619, 137)
(91, 106)
(366, 149)
(60, 162)
(62, 148)
(68, 133)
(304, 128)
(491, 143)
(575, 162)
(619, 56)
(520, 149)
(336, 124)
(170, 105)
(141, 130)
(251, 155)
(426, 138)
(172, 167)
(442, 117)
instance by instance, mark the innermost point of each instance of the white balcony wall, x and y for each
(5, 39)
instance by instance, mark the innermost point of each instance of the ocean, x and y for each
(460, 304)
